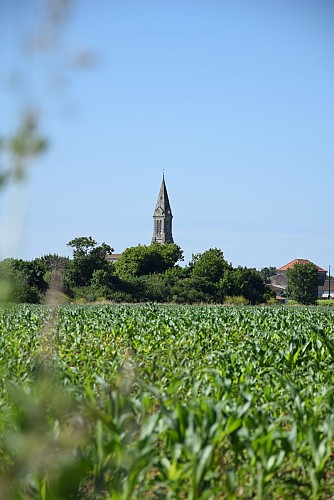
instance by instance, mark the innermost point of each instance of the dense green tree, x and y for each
(209, 265)
(229, 284)
(85, 246)
(246, 282)
(206, 271)
(16, 285)
(161, 287)
(303, 283)
(50, 262)
(88, 257)
(53, 268)
(194, 289)
(143, 273)
(28, 281)
(148, 259)
(251, 284)
(104, 282)
(34, 274)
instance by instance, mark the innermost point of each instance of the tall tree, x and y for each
(303, 283)
(82, 245)
(210, 265)
(88, 257)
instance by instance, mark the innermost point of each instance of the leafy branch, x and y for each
(22, 147)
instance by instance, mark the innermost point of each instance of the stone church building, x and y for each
(162, 217)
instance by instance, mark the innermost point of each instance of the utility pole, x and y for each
(329, 281)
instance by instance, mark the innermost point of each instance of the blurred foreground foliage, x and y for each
(22, 147)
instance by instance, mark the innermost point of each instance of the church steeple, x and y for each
(162, 217)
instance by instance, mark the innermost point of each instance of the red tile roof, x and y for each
(299, 261)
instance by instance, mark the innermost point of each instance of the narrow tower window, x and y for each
(159, 226)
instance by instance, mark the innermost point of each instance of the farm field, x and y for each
(121, 402)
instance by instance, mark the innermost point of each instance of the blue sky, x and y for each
(234, 99)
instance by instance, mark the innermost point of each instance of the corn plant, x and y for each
(150, 401)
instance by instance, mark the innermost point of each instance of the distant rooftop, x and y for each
(113, 257)
(299, 261)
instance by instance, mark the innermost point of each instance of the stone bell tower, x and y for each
(162, 217)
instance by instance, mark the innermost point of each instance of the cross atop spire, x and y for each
(162, 217)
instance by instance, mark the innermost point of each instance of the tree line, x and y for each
(142, 273)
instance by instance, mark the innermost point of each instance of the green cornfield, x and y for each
(158, 402)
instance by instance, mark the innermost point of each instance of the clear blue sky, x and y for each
(234, 99)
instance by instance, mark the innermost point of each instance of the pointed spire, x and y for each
(162, 230)
(163, 206)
